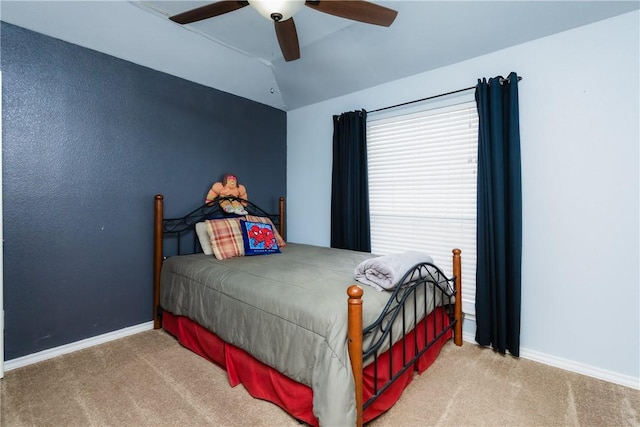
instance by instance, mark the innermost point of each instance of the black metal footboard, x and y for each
(427, 287)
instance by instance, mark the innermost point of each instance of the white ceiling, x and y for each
(238, 52)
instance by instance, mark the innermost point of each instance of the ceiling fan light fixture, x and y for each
(277, 10)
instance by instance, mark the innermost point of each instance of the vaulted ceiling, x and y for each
(238, 52)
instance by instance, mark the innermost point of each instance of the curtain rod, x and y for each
(502, 80)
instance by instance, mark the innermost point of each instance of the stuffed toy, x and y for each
(229, 187)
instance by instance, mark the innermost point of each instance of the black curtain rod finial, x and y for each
(507, 80)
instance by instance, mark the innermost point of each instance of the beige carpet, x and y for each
(149, 380)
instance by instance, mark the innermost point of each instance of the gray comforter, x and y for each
(288, 310)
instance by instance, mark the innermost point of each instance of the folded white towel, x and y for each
(384, 272)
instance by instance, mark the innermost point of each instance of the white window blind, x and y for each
(422, 187)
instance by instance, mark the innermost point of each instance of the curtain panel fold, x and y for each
(350, 224)
(499, 215)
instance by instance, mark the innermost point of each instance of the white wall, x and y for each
(580, 133)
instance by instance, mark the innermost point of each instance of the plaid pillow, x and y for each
(226, 237)
(265, 220)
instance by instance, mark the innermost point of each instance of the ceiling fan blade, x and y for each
(288, 39)
(208, 11)
(357, 10)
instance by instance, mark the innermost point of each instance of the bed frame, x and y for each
(183, 230)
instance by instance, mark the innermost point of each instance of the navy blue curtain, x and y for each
(350, 227)
(499, 216)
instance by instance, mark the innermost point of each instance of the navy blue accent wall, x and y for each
(88, 140)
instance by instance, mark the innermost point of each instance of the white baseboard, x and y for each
(570, 365)
(75, 346)
(580, 368)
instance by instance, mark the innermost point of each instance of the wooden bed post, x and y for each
(282, 212)
(354, 334)
(157, 257)
(457, 272)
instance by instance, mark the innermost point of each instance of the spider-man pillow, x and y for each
(258, 238)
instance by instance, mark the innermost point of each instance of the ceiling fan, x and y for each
(281, 13)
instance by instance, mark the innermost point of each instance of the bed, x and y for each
(278, 322)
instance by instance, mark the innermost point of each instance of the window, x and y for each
(422, 186)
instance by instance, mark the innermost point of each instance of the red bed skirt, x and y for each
(264, 382)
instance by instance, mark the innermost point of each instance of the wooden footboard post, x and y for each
(282, 212)
(157, 257)
(354, 335)
(457, 272)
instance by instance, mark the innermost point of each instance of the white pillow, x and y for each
(203, 237)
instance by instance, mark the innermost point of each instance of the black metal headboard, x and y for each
(179, 237)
